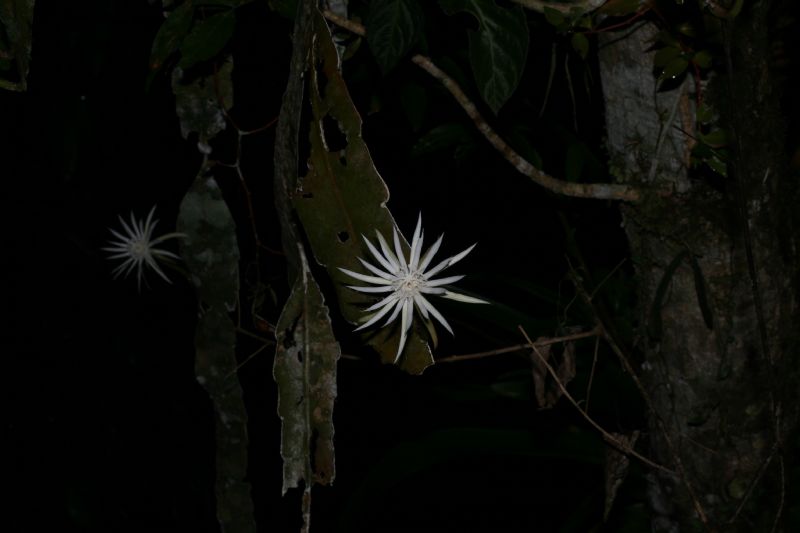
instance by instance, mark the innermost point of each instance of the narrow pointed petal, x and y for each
(416, 244)
(432, 310)
(417, 252)
(377, 316)
(369, 279)
(428, 256)
(371, 290)
(388, 253)
(420, 306)
(432, 290)
(377, 271)
(173, 235)
(443, 281)
(449, 261)
(164, 253)
(388, 265)
(407, 315)
(462, 298)
(399, 251)
(389, 300)
(456, 258)
(398, 306)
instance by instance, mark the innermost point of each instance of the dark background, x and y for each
(109, 430)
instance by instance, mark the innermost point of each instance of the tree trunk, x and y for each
(717, 280)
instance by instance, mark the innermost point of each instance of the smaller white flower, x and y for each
(407, 282)
(136, 247)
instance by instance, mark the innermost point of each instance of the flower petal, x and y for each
(416, 245)
(432, 310)
(399, 251)
(377, 316)
(389, 300)
(428, 256)
(370, 290)
(443, 281)
(376, 270)
(388, 253)
(368, 279)
(450, 261)
(462, 298)
(398, 306)
(385, 263)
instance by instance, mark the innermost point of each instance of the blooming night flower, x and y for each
(407, 282)
(136, 247)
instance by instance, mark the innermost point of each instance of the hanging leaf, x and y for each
(305, 371)
(16, 24)
(207, 38)
(199, 103)
(211, 254)
(342, 197)
(393, 26)
(700, 289)
(170, 35)
(497, 51)
(674, 68)
(555, 17)
(655, 326)
(547, 392)
(580, 44)
(665, 55)
(616, 468)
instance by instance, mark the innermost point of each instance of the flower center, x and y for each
(409, 285)
(138, 248)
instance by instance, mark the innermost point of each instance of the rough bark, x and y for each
(719, 339)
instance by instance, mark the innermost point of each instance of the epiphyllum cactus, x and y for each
(136, 247)
(407, 283)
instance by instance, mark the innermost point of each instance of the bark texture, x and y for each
(717, 280)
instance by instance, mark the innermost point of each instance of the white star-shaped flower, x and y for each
(407, 282)
(136, 247)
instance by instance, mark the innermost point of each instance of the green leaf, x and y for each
(497, 51)
(705, 114)
(393, 26)
(211, 254)
(170, 35)
(665, 55)
(674, 68)
(207, 38)
(716, 139)
(554, 17)
(198, 104)
(717, 165)
(703, 59)
(580, 44)
(305, 371)
(342, 197)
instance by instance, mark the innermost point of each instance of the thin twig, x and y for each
(518, 347)
(598, 191)
(591, 374)
(609, 438)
